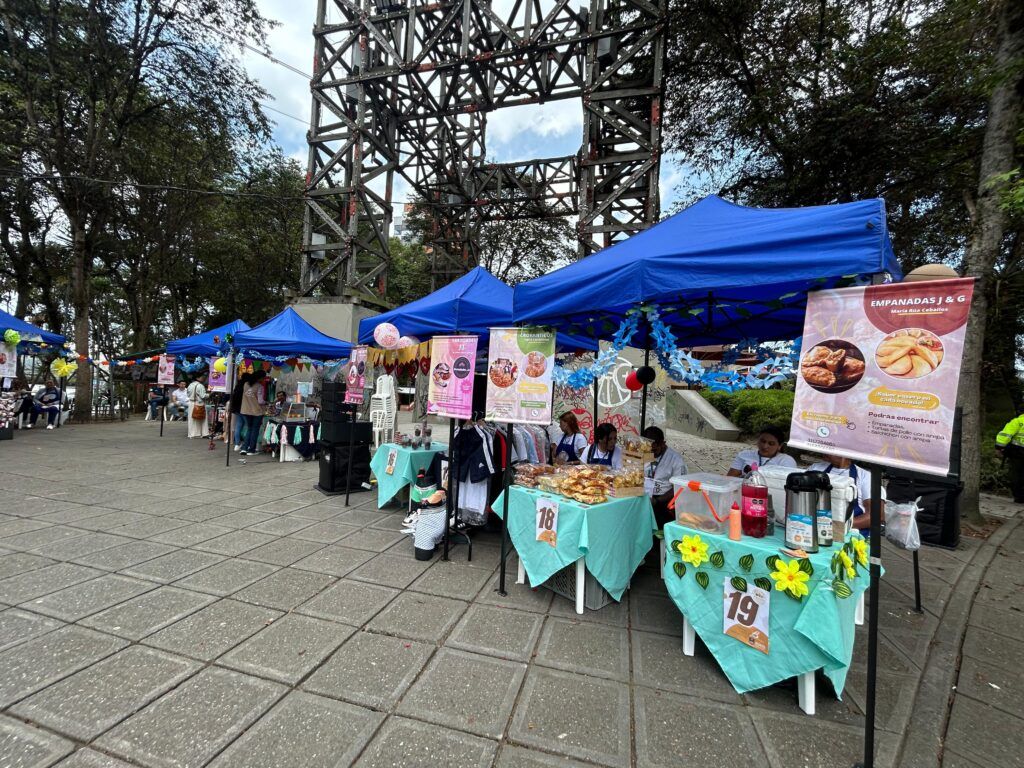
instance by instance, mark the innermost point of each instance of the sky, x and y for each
(518, 133)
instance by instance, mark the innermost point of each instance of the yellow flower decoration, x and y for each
(789, 578)
(693, 550)
(847, 562)
(861, 548)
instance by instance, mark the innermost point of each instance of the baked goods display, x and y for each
(585, 483)
(528, 475)
(832, 365)
(909, 353)
(536, 364)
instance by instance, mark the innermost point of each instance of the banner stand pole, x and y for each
(453, 483)
(351, 448)
(504, 503)
(163, 415)
(229, 385)
(875, 561)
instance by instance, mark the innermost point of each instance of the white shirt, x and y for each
(180, 396)
(578, 441)
(863, 480)
(196, 391)
(594, 452)
(663, 469)
(749, 457)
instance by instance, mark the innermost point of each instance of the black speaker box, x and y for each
(938, 522)
(334, 467)
(338, 432)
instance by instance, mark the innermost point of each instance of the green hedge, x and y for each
(753, 409)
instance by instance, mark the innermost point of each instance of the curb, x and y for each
(933, 700)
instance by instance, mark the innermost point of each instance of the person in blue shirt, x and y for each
(48, 402)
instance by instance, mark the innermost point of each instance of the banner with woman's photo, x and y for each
(519, 366)
(452, 362)
(879, 370)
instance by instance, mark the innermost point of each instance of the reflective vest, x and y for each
(1012, 433)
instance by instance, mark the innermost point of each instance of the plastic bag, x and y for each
(901, 524)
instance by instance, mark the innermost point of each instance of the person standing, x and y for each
(197, 424)
(48, 402)
(252, 411)
(235, 410)
(1010, 445)
(658, 475)
(572, 443)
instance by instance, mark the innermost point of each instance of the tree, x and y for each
(521, 249)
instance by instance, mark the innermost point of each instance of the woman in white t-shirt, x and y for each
(840, 466)
(604, 450)
(767, 454)
(572, 444)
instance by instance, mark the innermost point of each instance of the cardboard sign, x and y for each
(879, 370)
(355, 376)
(519, 367)
(392, 459)
(547, 521)
(745, 614)
(450, 382)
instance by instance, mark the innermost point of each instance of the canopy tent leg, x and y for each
(595, 402)
(229, 385)
(504, 516)
(643, 396)
(453, 484)
(875, 574)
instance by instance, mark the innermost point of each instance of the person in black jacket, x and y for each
(235, 408)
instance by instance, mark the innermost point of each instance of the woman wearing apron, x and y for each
(604, 451)
(571, 445)
(840, 466)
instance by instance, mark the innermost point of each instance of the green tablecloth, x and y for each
(815, 633)
(408, 463)
(612, 537)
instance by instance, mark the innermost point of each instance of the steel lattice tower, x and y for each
(405, 87)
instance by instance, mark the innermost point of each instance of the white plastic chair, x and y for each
(383, 410)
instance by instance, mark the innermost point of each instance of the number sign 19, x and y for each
(745, 614)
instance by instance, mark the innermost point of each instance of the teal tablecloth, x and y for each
(408, 464)
(815, 633)
(612, 537)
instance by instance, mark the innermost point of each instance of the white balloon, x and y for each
(408, 341)
(386, 335)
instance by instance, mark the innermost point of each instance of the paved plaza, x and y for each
(158, 609)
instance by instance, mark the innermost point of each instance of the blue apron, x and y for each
(591, 459)
(568, 449)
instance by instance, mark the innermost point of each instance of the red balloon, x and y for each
(633, 384)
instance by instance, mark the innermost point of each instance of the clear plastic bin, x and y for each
(703, 500)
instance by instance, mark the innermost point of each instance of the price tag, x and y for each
(745, 614)
(392, 459)
(547, 521)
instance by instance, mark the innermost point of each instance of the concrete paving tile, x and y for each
(360, 517)
(12, 526)
(72, 514)
(18, 589)
(283, 526)
(89, 758)
(125, 555)
(577, 646)
(987, 616)
(449, 579)
(320, 511)
(17, 626)
(226, 577)
(518, 757)
(412, 744)
(373, 539)
(72, 549)
(148, 613)
(285, 589)
(81, 600)
(17, 563)
(38, 539)
(787, 742)
(202, 514)
(280, 506)
(336, 560)
(173, 565)
(520, 596)
(324, 532)
(188, 726)
(213, 630)
(390, 570)
(243, 518)
(420, 617)
(283, 551)
(667, 728)
(350, 602)
(502, 632)
(34, 664)
(582, 717)
(658, 662)
(303, 731)
(997, 686)
(894, 700)
(655, 613)
(615, 613)
(371, 670)
(465, 691)
(89, 702)
(989, 647)
(235, 543)
(111, 520)
(188, 535)
(154, 526)
(288, 649)
(22, 746)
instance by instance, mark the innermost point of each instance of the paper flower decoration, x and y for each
(861, 548)
(692, 550)
(12, 337)
(789, 578)
(847, 562)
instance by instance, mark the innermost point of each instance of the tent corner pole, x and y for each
(229, 385)
(643, 396)
(875, 566)
(506, 489)
(452, 486)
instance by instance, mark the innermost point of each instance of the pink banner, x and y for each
(165, 370)
(879, 370)
(216, 382)
(355, 376)
(452, 362)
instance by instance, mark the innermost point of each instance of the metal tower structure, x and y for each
(405, 86)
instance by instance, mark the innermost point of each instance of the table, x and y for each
(408, 463)
(610, 540)
(814, 633)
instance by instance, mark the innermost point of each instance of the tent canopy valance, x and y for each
(203, 343)
(29, 333)
(718, 271)
(288, 334)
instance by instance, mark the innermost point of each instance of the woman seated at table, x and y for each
(862, 505)
(571, 445)
(767, 454)
(604, 451)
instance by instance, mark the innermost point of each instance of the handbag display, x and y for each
(199, 412)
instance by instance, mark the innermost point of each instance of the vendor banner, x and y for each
(217, 380)
(8, 360)
(879, 371)
(450, 386)
(355, 378)
(519, 366)
(165, 370)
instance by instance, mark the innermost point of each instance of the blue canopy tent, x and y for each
(288, 334)
(720, 272)
(29, 333)
(203, 343)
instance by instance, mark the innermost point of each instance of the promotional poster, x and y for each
(165, 370)
(355, 376)
(8, 360)
(452, 362)
(519, 367)
(216, 381)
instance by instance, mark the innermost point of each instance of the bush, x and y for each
(753, 409)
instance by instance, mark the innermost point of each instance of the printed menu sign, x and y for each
(879, 370)
(355, 376)
(519, 368)
(450, 387)
(165, 370)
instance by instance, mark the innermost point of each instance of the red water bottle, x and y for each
(755, 504)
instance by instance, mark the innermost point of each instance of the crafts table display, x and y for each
(294, 439)
(396, 466)
(766, 613)
(576, 518)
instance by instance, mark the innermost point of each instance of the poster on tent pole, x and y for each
(519, 367)
(355, 376)
(879, 370)
(217, 381)
(165, 370)
(8, 360)
(450, 386)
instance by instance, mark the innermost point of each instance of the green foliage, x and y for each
(764, 583)
(738, 583)
(680, 569)
(717, 559)
(703, 579)
(754, 409)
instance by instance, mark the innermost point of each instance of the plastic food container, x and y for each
(703, 500)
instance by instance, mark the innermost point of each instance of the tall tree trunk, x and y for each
(81, 301)
(1004, 115)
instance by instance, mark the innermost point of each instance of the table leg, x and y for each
(581, 580)
(661, 558)
(689, 637)
(521, 573)
(805, 692)
(858, 616)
